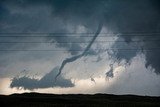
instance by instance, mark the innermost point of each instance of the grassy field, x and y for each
(77, 100)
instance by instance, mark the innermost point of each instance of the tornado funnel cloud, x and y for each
(71, 59)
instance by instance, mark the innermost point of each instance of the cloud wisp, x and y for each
(45, 82)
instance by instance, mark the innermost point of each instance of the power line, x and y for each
(79, 33)
(83, 42)
(157, 35)
(151, 49)
(72, 34)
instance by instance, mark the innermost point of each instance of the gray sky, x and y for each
(38, 38)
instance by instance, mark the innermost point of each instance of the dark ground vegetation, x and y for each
(77, 100)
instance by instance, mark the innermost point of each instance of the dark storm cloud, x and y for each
(141, 20)
(124, 50)
(45, 82)
(54, 19)
(121, 16)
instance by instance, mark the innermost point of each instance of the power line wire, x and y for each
(151, 49)
(80, 33)
(76, 42)
(106, 36)
(72, 34)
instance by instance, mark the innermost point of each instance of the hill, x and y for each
(77, 100)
